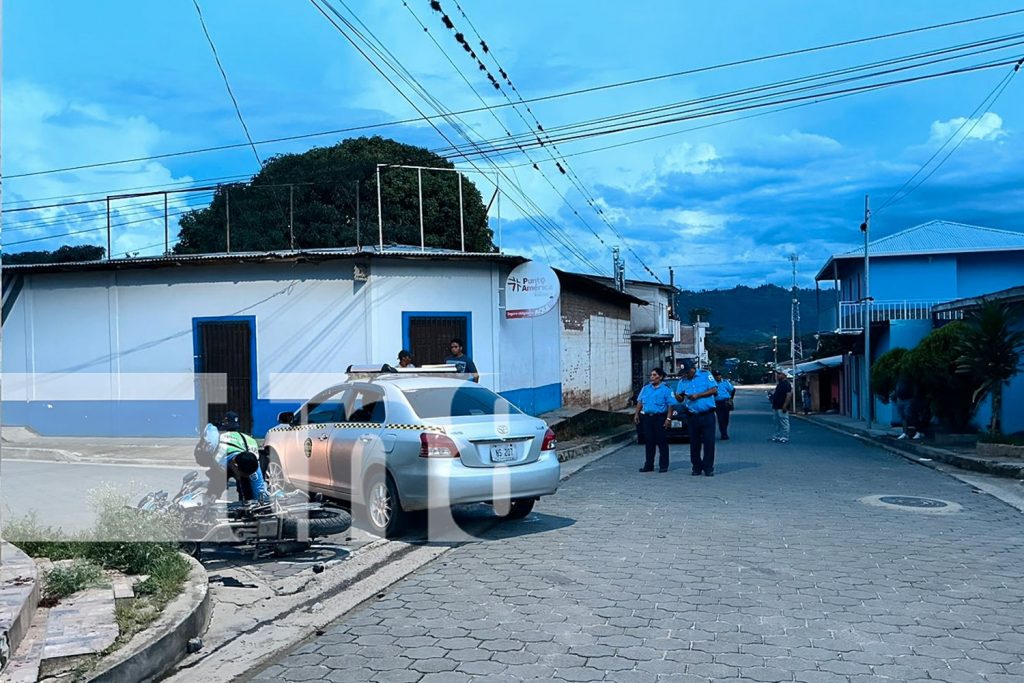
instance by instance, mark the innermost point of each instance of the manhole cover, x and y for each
(914, 502)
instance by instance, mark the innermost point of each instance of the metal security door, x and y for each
(225, 362)
(429, 337)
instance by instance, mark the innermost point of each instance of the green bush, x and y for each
(885, 373)
(932, 365)
(62, 581)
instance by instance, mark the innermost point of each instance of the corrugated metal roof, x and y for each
(933, 237)
(284, 256)
(942, 236)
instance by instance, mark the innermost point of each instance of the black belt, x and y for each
(703, 412)
(664, 412)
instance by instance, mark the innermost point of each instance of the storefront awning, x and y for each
(819, 365)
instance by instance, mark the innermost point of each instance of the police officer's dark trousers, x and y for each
(722, 412)
(702, 437)
(653, 425)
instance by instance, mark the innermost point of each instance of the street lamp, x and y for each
(775, 351)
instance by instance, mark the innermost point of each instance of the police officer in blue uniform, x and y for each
(697, 392)
(652, 414)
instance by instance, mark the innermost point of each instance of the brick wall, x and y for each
(595, 352)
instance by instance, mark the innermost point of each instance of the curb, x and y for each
(915, 452)
(183, 618)
(17, 567)
(624, 433)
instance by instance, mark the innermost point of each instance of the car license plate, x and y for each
(503, 452)
(677, 424)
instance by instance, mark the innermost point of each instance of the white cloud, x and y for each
(988, 126)
(44, 130)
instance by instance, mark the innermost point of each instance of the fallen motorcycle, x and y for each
(282, 523)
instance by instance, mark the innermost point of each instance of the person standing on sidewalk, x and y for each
(697, 390)
(653, 407)
(782, 401)
(723, 403)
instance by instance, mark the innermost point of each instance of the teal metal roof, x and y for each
(934, 237)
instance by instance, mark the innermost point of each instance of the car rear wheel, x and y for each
(383, 508)
(519, 508)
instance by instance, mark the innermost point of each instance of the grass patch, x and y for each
(62, 581)
(124, 540)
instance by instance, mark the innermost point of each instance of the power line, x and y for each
(227, 84)
(727, 110)
(989, 100)
(501, 123)
(566, 169)
(553, 96)
(938, 56)
(409, 81)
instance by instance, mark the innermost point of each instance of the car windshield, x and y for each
(460, 401)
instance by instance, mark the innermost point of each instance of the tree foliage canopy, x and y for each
(990, 355)
(886, 371)
(932, 366)
(323, 185)
(65, 254)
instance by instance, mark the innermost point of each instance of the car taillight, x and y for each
(550, 442)
(437, 446)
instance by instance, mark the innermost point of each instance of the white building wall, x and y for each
(576, 365)
(107, 336)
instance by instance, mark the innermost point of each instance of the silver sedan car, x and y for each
(396, 443)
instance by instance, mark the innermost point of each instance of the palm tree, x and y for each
(990, 351)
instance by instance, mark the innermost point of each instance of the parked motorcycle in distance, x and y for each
(283, 523)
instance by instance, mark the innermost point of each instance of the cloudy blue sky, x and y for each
(723, 204)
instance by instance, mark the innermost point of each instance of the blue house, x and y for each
(911, 273)
(1013, 394)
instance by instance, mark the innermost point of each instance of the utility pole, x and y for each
(167, 243)
(795, 347)
(357, 215)
(868, 398)
(108, 228)
(291, 217)
(227, 217)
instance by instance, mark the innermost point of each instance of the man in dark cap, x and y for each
(697, 391)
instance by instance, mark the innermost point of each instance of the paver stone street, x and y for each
(773, 570)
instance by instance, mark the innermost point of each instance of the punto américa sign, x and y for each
(531, 289)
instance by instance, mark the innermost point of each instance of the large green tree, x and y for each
(323, 183)
(990, 355)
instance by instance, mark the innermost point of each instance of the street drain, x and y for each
(912, 504)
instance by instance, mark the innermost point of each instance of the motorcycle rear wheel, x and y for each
(321, 523)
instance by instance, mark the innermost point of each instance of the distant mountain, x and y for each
(752, 313)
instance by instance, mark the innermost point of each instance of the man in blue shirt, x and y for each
(697, 391)
(653, 407)
(459, 359)
(723, 403)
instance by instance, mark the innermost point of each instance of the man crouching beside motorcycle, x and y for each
(228, 453)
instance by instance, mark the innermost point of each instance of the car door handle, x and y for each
(366, 438)
(323, 437)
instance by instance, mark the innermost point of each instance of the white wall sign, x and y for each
(531, 289)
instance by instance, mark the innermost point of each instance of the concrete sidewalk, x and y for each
(950, 449)
(111, 450)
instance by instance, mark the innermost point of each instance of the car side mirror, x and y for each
(285, 418)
